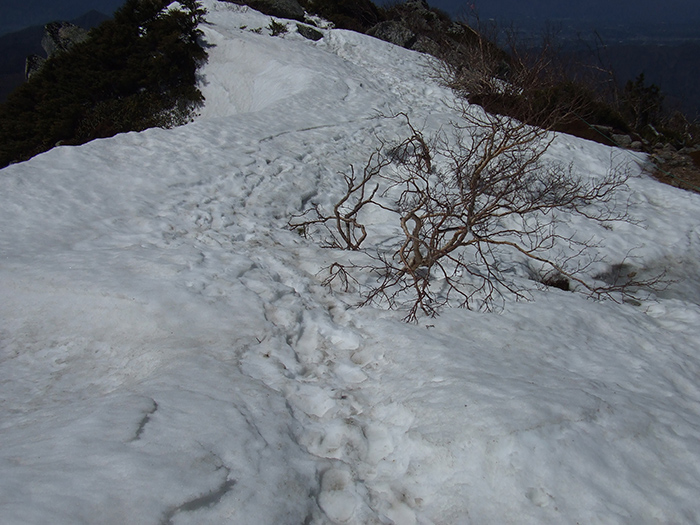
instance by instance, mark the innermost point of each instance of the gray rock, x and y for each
(624, 141)
(606, 130)
(417, 5)
(58, 36)
(32, 65)
(393, 32)
(416, 26)
(670, 158)
(309, 32)
(423, 44)
(420, 5)
(61, 36)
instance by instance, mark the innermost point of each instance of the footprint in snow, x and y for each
(338, 497)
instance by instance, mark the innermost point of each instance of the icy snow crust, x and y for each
(168, 355)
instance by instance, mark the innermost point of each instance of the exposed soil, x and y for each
(681, 170)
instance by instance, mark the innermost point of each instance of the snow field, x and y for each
(169, 356)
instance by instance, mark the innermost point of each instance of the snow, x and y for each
(168, 354)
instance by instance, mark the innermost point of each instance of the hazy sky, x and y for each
(610, 10)
(15, 14)
(619, 11)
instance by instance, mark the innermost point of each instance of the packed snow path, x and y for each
(169, 356)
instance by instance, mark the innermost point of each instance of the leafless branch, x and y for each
(459, 201)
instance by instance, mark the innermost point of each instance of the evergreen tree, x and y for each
(641, 103)
(135, 71)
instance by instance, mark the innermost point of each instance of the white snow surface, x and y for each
(168, 354)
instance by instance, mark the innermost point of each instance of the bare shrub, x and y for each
(460, 201)
(529, 81)
(341, 224)
(463, 198)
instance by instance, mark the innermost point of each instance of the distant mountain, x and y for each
(660, 39)
(619, 11)
(16, 47)
(16, 15)
(671, 67)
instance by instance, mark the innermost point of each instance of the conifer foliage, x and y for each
(136, 71)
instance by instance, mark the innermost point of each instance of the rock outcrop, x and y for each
(61, 36)
(58, 36)
(33, 64)
(395, 32)
(309, 32)
(415, 25)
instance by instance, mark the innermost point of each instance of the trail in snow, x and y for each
(169, 355)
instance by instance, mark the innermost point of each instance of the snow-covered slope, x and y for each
(169, 356)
